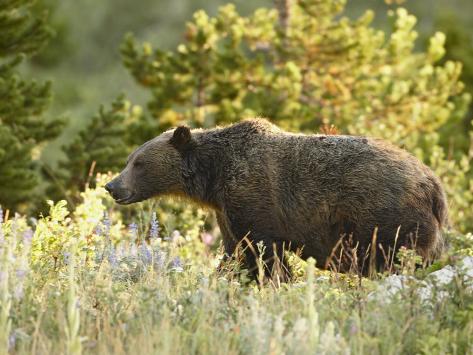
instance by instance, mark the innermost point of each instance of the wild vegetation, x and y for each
(82, 275)
(84, 282)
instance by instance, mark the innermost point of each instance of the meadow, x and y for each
(83, 282)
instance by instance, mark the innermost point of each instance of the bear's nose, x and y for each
(109, 187)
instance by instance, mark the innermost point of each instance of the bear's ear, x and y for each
(181, 138)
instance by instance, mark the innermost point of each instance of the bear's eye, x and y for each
(138, 163)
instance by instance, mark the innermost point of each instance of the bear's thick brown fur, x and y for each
(332, 197)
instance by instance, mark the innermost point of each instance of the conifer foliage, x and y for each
(23, 128)
(303, 66)
(101, 146)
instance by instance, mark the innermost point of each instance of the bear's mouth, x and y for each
(126, 200)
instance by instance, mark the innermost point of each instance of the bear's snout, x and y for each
(119, 193)
(109, 188)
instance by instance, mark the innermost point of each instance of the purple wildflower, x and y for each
(133, 229)
(145, 254)
(133, 251)
(158, 259)
(107, 224)
(112, 257)
(11, 341)
(67, 257)
(28, 236)
(1, 222)
(14, 226)
(21, 273)
(98, 230)
(18, 293)
(98, 257)
(154, 229)
(176, 264)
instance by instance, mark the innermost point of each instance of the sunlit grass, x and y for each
(85, 282)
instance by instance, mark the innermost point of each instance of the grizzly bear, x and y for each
(349, 202)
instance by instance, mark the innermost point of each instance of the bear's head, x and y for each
(153, 169)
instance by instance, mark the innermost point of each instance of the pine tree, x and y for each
(23, 129)
(307, 66)
(101, 146)
(305, 69)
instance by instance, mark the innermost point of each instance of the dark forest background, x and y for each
(84, 62)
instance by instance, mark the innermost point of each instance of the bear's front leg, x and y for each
(230, 243)
(265, 258)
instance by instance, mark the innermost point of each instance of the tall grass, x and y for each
(85, 283)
